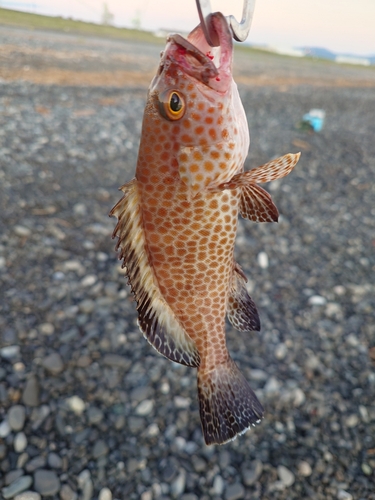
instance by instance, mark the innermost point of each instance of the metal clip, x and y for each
(240, 30)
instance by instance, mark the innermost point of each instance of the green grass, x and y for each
(26, 20)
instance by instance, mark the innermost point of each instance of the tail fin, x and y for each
(228, 406)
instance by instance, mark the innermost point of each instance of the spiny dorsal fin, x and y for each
(155, 318)
(241, 310)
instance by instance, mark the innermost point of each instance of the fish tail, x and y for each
(227, 404)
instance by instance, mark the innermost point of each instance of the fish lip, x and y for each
(193, 55)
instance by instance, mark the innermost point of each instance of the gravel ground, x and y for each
(87, 408)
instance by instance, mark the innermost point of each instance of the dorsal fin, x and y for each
(241, 309)
(155, 318)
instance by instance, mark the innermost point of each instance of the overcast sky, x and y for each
(339, 25)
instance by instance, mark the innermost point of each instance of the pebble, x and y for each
(5, 429)
(344, 495)
(285, 475)
(272, 386)
(317, 300)
(145, 408)
(46, 329)
(76, 404)
(100, 449)
(20, 442)
(54, 461)
(105, 494)
(263, 260)
(89, 280)
(251, 474)
(53, 363)
(28, 495)
(178, 484)
(18, 486)
(304, 468)
(218, 486)
(16, 417)
(22, 231)
(46, 482)
(181, 402)
(235, 492)
(66, 493)
(94, 415)
(30, 396)
(10, 352)
(352, 421)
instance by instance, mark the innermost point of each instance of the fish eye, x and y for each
(172, 105)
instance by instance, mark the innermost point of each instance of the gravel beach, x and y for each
(88, 410)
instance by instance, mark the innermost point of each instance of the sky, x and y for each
(345, 26)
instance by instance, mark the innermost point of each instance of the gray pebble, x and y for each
(36, 463)
(178, 484)
(20, 442)
(218, 486)
(18, 486)
(234, 492)
(100, 449)
(54, 460)
(12, 476)
(30, 396)
(5, 429)
(344, 495)
(3, 451)
(251, 475)
(53, 363)
(16, 417)
(46, 482)
(10, 352)
(285, 475)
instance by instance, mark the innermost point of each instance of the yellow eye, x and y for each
(171, 105)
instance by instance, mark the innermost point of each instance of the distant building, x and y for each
(286, 51)
(353, 60)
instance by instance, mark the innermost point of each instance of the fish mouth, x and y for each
(193, 56)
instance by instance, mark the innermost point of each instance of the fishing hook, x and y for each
(240, 30)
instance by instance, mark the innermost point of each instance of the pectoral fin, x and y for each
(257, 205)
(241, 310)
(155, 318)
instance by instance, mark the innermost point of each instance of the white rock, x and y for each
(76, 404)
(218, 486)
(145, 407)
(20, 442)
(352, 421)
(28, 495)
(10, 351)
(181, 402)
(22, 231)
(281, 351)
(317, 300)
(263, 260)
(146, 495)
(89, 280)
(3, 262)
(5, 429)
(105, 494)
(344, 495)
(46, 328)
(272, 386)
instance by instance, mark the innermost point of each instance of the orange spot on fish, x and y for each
(197, 155)
(194, 168)
(212, 133)
(199, 130)
(209, 120)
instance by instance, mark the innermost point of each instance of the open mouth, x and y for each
(195, 57)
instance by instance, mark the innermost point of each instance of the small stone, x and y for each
(36, 463)
(344, 495)
(18, 486)
(366, 469)
(251, 475)
(10, 352)
(3, 451)
(263, 260)
(46, 482)
(100, 449)
(146, 495)
(46, 329)
(53, 363)
(218, 486)
(94, 415)
(281, 351)
(181, 402)
(317, 300)
(22, 231)
(16, 417)
(80, 209)
(12, 476)
(30, 396)
(145, 407)
(285, 475)
(28, 495)
(54, 461)
(178, 485)
(66, 493)
(87, 306)
(5, 429)
(235, 492)
(76, 404)
(272, 386)
(304, 468)
(20, 442)
(105, 494)
(352, 421)
(89, 280)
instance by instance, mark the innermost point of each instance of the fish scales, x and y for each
(177, 223)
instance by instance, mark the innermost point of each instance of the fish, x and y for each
(177, 223)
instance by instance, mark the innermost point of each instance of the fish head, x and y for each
(195, 101)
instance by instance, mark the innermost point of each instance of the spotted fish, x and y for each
(177, 223)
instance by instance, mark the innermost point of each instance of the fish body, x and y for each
(177, 223)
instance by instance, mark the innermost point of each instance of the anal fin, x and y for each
(155, 318)
(241, 310)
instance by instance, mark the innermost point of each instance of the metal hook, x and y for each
(240, 30)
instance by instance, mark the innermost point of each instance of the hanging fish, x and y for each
(177, 223)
